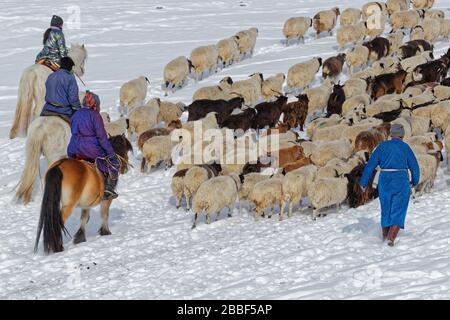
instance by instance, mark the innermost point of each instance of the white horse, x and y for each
(49, 136)
(32, 90)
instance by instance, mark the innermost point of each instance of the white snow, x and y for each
(153, 253)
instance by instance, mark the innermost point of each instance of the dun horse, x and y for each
(71, 183)
(32, 90)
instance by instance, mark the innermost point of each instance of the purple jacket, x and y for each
(61, 93)
(89, 139)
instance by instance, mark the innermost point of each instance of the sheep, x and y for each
(338, 167)
(385, 65)
(355, 102)
(176, 73)
(296, 28)
(248, 182)
(318, 97)
(371, 8)
(440, 115)
(431, 28)
(424, 98)
(368, 140)
(286, 155)
(177, 186)
(378, 48)
(169, 111)
(223, 108)
(328, 150)
(395, 41)
(246, 41)
(376, 28)
(322, 123)
(250, 89)
(219, 92)
(420, 125)
(105, 117)
(409, 64)
(117, 127)
(268, 113)
(325, 20)
(132, 93)
(156, 150)
(253, 34)
(243, 120)
(295, 186)
(351, 132)
(413, 47)
(447, 145)
(266, 193)
(435, 14)
(390, 103)
(441, 92)
(273, 86)
(406, 125)
(397, 5)
(351, 34)
(332, 67)
(350, 16)
(325, 192)
(353, 87)
(215, 194)
(422, 4)
(144, 136)
(444, 29)
(358, 56)
(417, 33)
(407, 19)
(291, 166)
(228, 51)
(194, 177)
(204, 60)
(302, 74)
(428, 166)
(329, 133)
(143, 118)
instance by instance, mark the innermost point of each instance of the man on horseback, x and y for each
(90, 142)
(54, 45)
(61, 96)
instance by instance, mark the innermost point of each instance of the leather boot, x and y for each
(385, 232)
(392, 234)
(110, 185)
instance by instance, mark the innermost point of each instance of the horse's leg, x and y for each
(80, 236)
(66, 211)
(104, 229)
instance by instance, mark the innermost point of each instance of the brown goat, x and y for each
(280, 128)
(388, 83)
(291, 166)
(290, 154)
(332, 67)
(296, 112)
(146, 135)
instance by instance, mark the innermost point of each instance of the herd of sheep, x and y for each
(396, 81)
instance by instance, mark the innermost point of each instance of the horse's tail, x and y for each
(50, 220)
(24, 104)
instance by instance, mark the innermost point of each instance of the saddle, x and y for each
(48, 113)
(49, 64)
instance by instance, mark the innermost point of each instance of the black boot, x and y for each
(110, 185)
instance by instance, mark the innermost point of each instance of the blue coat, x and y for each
(393, 186)
(90, 141)
(61, 94)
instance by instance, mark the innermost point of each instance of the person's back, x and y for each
(396, 154)
(54, 45)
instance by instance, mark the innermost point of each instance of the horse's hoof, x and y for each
(104, 232)
(79, 237)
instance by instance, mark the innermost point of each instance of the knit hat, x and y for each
(57, 21)
(397, 130)
(67, 63)
(91, 100)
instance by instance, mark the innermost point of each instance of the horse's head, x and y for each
(78, 53)
(121, 146)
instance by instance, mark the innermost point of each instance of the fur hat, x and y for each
(397, 130)
(57, 21)
(67, 63)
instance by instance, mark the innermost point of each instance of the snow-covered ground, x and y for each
(153, 253)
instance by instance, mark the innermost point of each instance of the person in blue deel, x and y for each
(395, 158)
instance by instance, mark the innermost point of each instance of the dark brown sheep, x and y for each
(379, 46)
(146, 135)
(296, 112)
(243, 120)
(332, 67)
(223, 108)
(268, 113)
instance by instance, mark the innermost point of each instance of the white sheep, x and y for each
(169, 111)
(353, 87)
(325, 20)
(156, 150)
(386, 65)
(296, 28)
(390, 103)
(311, 127)
(422, 4)
(372, 8)
(355, 102)
(395, 41)
(143, 118)
(351, 132)
(214, 195)
(219, 92)
(358, 56)
(326, 192)
(407, 19)
(396, 5)
(273, 86)
(447, 145)
(409, 64)
(266, 193)
(133, 93)
(194, 177)
(351, 34)
(417, 33)
(431, 28)
(329, 133)
(428, 166)
(441, 92)
(420, 125)
(117, 127)
(204, 60)
(228, 51)
(246, 41)
(177, 186)
(350, 16)
(318, 97)
(249, 89)
(247, 186)
(302, 74)
(444, 29)
(176, 73)
(376, 29)
(423, 98)
(434, 13)
(328, 150)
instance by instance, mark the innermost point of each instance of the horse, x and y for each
(71, 183)
(32, 90)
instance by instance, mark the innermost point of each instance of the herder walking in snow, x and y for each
(395, 158)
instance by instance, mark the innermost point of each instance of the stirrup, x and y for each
(108, 195)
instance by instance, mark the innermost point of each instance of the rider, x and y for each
(90, 142)
(54, 45)
(61, 96)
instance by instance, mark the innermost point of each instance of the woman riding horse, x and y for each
(54, 45)
(89, 142)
